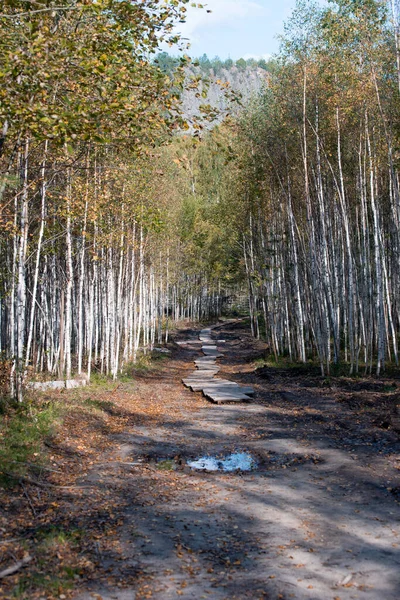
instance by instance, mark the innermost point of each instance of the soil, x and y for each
(317, 519)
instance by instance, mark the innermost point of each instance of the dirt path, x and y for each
(318, 519)
(120, 516)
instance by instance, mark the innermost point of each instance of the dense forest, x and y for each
(314, 167)
(118, 217)
(216, 66)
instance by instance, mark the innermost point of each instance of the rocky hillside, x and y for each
(223, 85)
(219, 91)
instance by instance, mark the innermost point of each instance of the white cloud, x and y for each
(223, 12)
(257, 56)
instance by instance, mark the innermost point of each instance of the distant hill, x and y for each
(219, 82)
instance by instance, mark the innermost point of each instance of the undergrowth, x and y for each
(23, 428)
(144, 364)
(313, 368)
(53, 545)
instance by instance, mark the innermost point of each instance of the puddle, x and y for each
(238, 461)
(241, 461)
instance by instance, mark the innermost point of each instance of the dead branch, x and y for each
(16, 567)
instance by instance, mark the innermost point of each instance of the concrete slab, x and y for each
(224, 388)
(221, 398)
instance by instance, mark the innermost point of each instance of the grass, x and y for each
(53, 537)
(52, 544)
(339, 371)
(104, 405)
(166, 465)
(22, 431)
(284, 362)
(145, 364)
(99, 379)
(259, 363)
(390, 388)
(24, 427)
(51, 584)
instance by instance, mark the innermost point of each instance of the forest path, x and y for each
(318, 519)
(203, 378)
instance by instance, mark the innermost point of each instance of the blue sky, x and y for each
(236, 28)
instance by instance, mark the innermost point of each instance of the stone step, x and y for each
(224, 397)
(199, 386)
(204, 378)
(193, 385)
(205, 360)
(225, 388)
(206, 373)
(213, 353)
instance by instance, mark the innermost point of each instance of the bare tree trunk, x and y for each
(38, 251)
(21, 288)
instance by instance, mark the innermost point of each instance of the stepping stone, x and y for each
(208, 360)
(185, 342)
(211, 373)
(205, 376)
(193, 385)
(213, 353)
(203, 381)
(199, 386)
(207, 373)
(223, 383)
(217, 384)
(229, 389)
(222, 397)
(200, 375)
(209, 377)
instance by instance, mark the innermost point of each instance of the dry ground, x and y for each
(120, 515)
